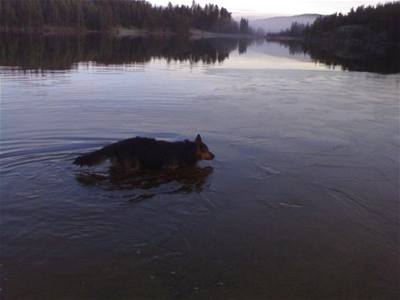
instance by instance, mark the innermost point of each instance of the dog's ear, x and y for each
(198, 139)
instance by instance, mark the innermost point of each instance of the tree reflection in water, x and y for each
(41, 53)
(386, 63)
(38, 52)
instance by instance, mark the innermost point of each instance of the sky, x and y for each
(279, 7)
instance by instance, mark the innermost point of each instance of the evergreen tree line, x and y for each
(296, 30)
(103, 15)
(382, 19)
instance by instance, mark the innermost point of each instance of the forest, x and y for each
(104, 15)
(379, 18)
(382, 19)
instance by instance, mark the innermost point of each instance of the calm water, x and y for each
(302, 201)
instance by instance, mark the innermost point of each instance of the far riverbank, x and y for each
(124, 32)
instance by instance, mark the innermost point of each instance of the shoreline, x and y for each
(284, 38)
(121, 32)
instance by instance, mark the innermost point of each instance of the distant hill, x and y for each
(277, 24)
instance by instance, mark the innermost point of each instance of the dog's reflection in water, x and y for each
(147, 184)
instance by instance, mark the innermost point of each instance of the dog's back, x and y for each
(145, 153)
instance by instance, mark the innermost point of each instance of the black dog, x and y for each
(144, 153)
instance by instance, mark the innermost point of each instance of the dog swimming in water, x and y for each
(148, 154)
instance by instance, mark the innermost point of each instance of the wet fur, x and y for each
(146, 153)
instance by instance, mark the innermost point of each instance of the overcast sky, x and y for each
(279, 7)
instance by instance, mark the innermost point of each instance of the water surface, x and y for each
(302, 201)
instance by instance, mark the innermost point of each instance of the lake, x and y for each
(301, 202)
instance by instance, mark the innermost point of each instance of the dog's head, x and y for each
(202, 151)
